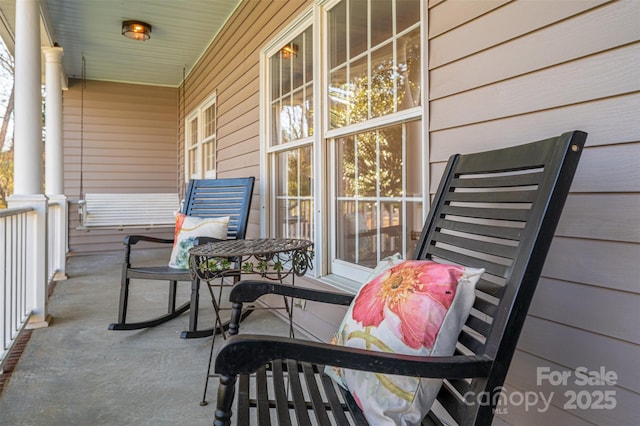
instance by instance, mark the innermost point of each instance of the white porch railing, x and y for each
(57, 238)
(13, 293)
(21, 291)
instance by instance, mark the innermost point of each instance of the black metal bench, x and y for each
(496, 210)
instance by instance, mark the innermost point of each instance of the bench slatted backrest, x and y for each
(220, 198)
(498, 210)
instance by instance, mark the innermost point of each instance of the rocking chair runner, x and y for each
(205, 198)
(496, 210)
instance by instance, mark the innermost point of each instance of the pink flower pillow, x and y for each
(415, 307)
(188, 228)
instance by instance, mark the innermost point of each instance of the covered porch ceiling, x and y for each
(181, 31)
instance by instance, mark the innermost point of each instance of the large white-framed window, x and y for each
(200, 141)
(342, 116)
(289, 65)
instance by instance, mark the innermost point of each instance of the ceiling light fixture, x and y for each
(136, 30)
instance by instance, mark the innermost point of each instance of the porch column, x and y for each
(27, 186)
(27, 105)
(54, 149)
(54, 163)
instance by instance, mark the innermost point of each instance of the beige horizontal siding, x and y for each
(234, 75)
(452, 14)
(515, 19)
(121, 138)
(586, 258)
(541, 49)
(569, 83)
(610, 121)
(521, 71)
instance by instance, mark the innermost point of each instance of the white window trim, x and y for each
(267, 167)
(198, 113)
(316, 15)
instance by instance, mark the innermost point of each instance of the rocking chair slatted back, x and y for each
(219, 198)
(496, 210)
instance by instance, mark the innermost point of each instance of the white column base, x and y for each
(36, 322)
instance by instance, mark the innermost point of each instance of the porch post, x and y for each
(54, 163)
(27, 106)
(54, 149)
(28, 156)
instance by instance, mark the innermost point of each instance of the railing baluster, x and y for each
(13, 299)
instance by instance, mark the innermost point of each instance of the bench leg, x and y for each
(124, 296)
(226, 391)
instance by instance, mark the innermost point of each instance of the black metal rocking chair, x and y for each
(496, 210)
(204, 198)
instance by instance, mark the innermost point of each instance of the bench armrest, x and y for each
(251, 290)
(246, 353)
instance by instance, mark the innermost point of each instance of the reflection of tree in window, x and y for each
(297, 219)
(384, 80)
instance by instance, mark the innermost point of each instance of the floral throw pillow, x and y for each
(188, 228)
(416, 307)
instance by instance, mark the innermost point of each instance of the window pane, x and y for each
(193, 132)
(338, 35)
(367, 164)
(308, 55)
(193, 162)
(192, 147)
(285, 73)
(297, 61)
(347, 224)
(209, 155)
(384, 74)
(291, 88)
(209, 121)
(383, 79)
(381, 21)
(338, 98)
(390, 240)
(409, 70)
(275, 122)
(357, 27)
(298, 131)
(294, 194)
(414, 159)
(356, 227)
(372, 183)
(407, 14)
(275, 76)
(414, 226)
(286, 116)
(308, 111)
(346, 167)
(359, 91)
(390, 161)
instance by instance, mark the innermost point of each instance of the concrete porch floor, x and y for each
(76, 372)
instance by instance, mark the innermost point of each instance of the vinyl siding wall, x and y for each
(505, 71)
(502, 72)
(230, 68)
(126, 145)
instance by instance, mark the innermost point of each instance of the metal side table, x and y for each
(270, 258)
